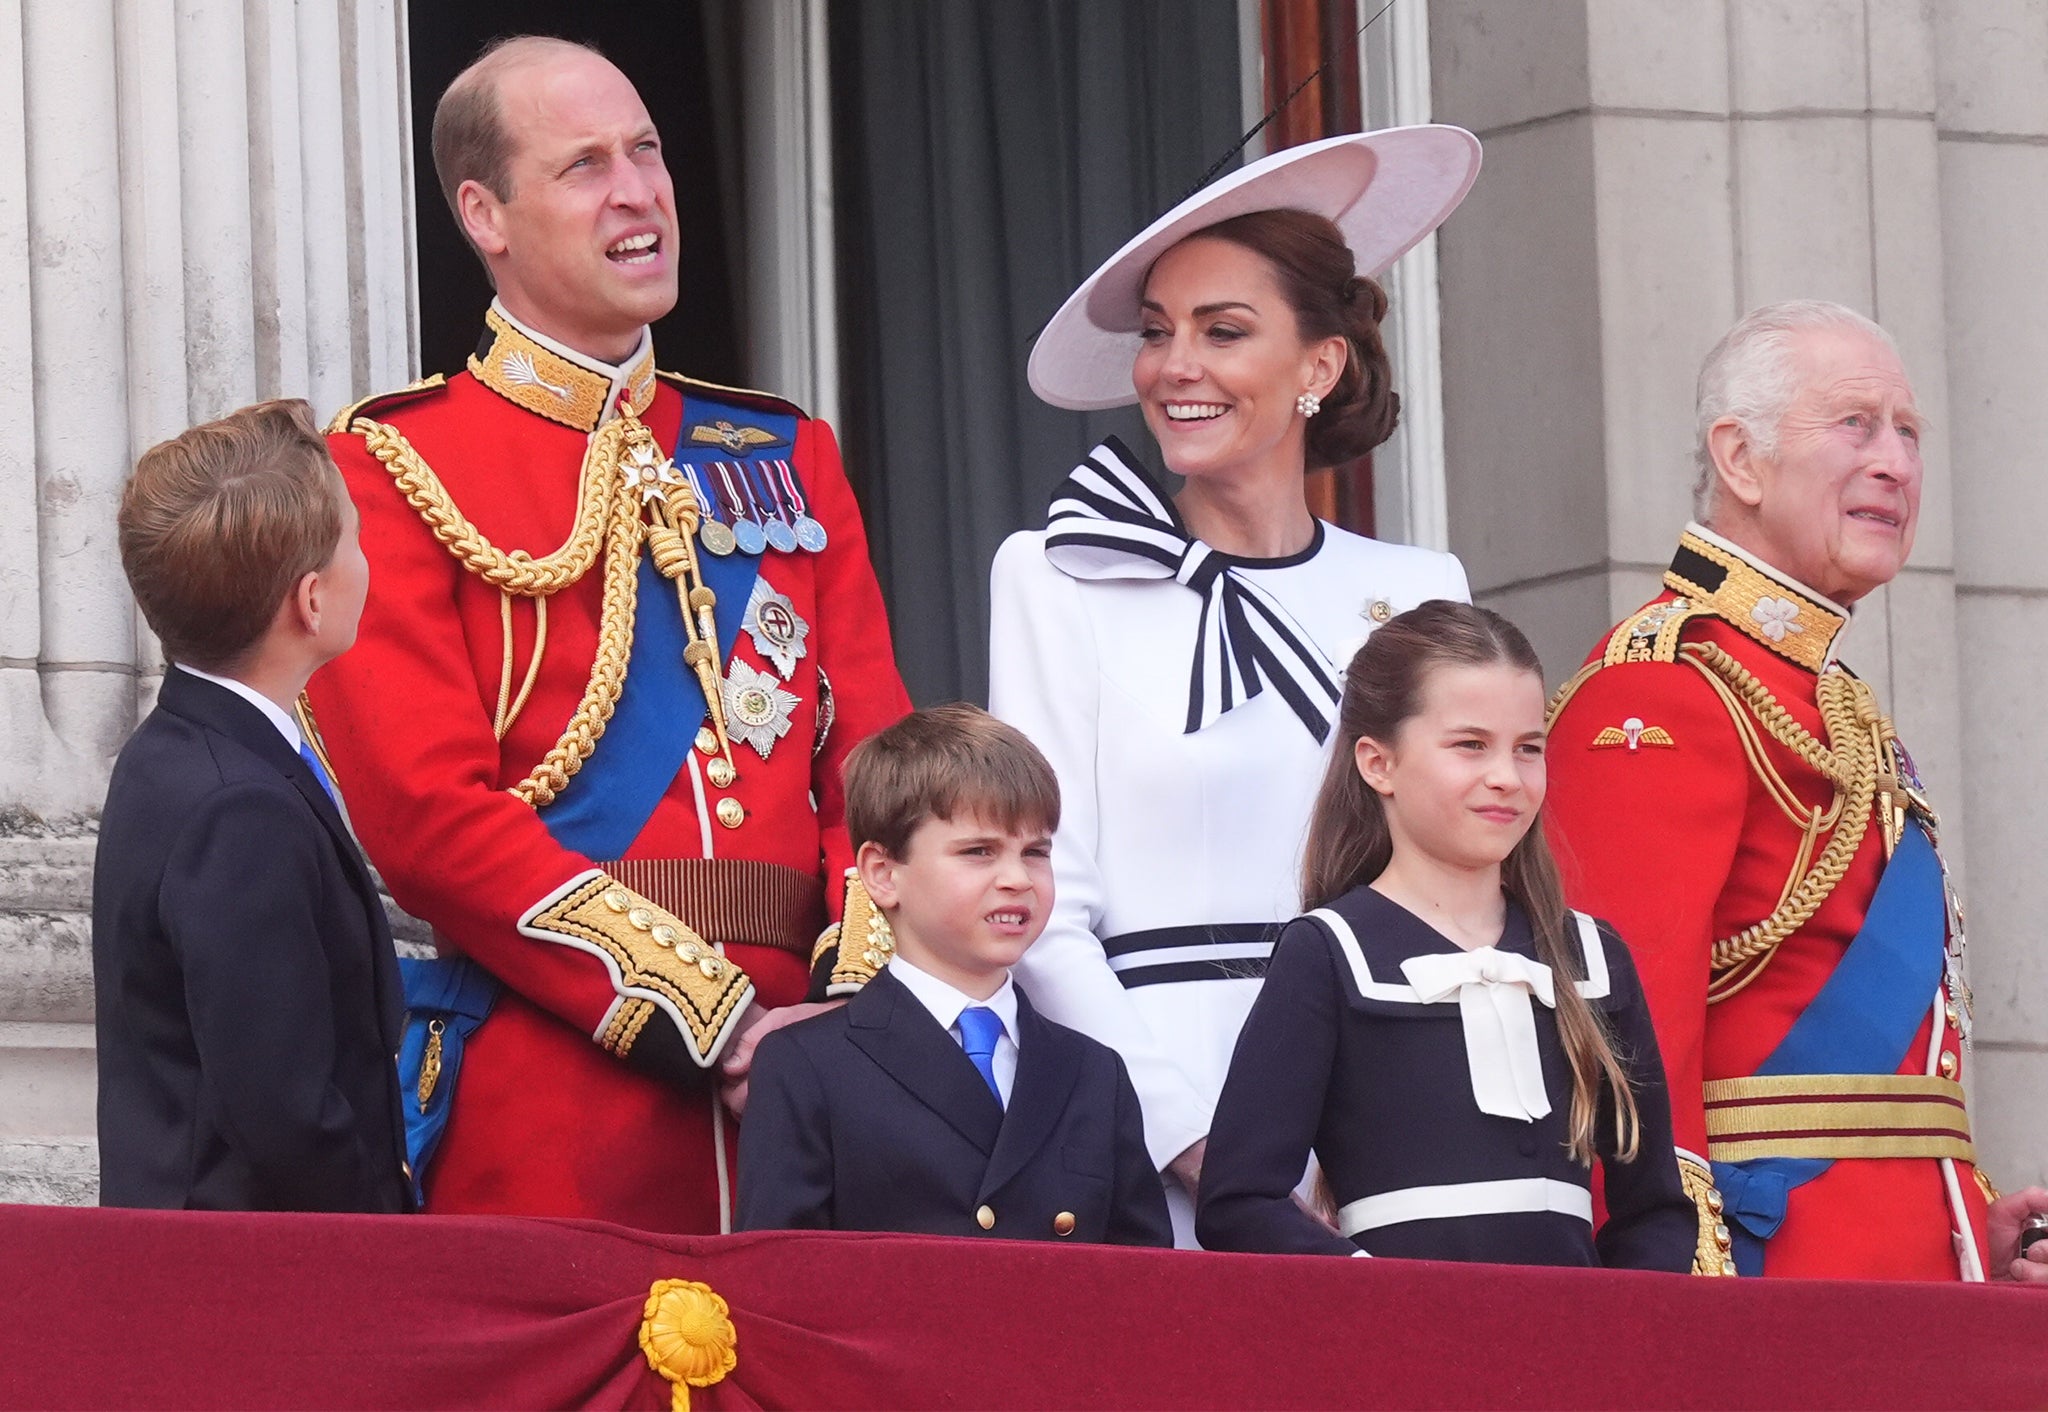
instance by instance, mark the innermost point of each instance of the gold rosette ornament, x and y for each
(686, 1332)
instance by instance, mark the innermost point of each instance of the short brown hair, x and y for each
(218, 523)
(939, 763)
(469, 138)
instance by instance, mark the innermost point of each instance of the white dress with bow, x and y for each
(1164, 828)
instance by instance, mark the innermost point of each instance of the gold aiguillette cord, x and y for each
(672, 534)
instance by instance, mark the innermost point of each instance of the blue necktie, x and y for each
(313, 764)
(980, 1028)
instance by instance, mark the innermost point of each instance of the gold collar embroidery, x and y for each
(547, 379)
(1779, 612)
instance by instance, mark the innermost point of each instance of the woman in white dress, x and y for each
(1178, 659)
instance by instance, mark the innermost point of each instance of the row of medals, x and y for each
(749, 513)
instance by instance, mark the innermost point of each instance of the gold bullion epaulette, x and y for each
(1652, 634)
(379, 401)
(859, 945)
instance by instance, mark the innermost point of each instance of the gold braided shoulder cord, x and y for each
(610, 504)
(518, 571)
(1855, 731)
(607, 669)
(510, 706)
(606, 519)
(1566, 692)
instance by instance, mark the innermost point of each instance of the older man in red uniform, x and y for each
(622, 632)
(1738, 805)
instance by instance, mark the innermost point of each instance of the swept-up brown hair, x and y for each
(1349, 843)
(219, 523)
(1319, 278)
(939, 763)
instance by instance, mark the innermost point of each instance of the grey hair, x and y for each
(1750, 377)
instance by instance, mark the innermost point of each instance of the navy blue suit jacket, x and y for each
(247, 996)
(872, 1118)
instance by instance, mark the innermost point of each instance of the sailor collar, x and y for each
(530, 369)
(1777, 610)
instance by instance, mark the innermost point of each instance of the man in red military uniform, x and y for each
(1738, 805)
(622, 632)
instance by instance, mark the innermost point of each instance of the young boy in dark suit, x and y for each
(937, 1100)
(247, 993)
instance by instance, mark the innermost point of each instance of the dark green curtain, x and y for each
(989, 154)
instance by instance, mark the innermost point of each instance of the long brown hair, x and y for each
(1350, 844)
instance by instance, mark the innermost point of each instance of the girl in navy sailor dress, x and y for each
(1454, 1068)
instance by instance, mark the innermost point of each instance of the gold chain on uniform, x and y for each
(608, 517)
(1858, 735)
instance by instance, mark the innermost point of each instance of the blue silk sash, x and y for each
(1862, 1022)
(654, 727)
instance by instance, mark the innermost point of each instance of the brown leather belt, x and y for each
(732, 901)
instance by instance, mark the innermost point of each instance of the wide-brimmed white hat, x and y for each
(1385, 190)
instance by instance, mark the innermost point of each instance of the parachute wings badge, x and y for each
(1633, 735)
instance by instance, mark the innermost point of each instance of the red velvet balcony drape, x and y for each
(147, 1309)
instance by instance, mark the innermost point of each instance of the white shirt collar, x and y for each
(286, 726)
(946, 1001)
(619, 375)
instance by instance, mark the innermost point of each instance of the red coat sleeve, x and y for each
(1646, 838)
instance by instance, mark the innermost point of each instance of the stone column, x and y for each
(200, 205)
(1994, 206)
(1654, 169)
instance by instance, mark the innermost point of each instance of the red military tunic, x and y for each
(589, 1091)
(1665, 815)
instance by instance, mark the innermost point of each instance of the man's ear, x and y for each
(1737, 466)
(483, 217)
(1375, 764)
(877, 874)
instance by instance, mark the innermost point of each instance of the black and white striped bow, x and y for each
(1109, 521)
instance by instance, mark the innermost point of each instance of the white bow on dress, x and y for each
(1493, 989)
(1109, 521)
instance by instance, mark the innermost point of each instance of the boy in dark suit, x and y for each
(937, 1100)
(247, 993)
